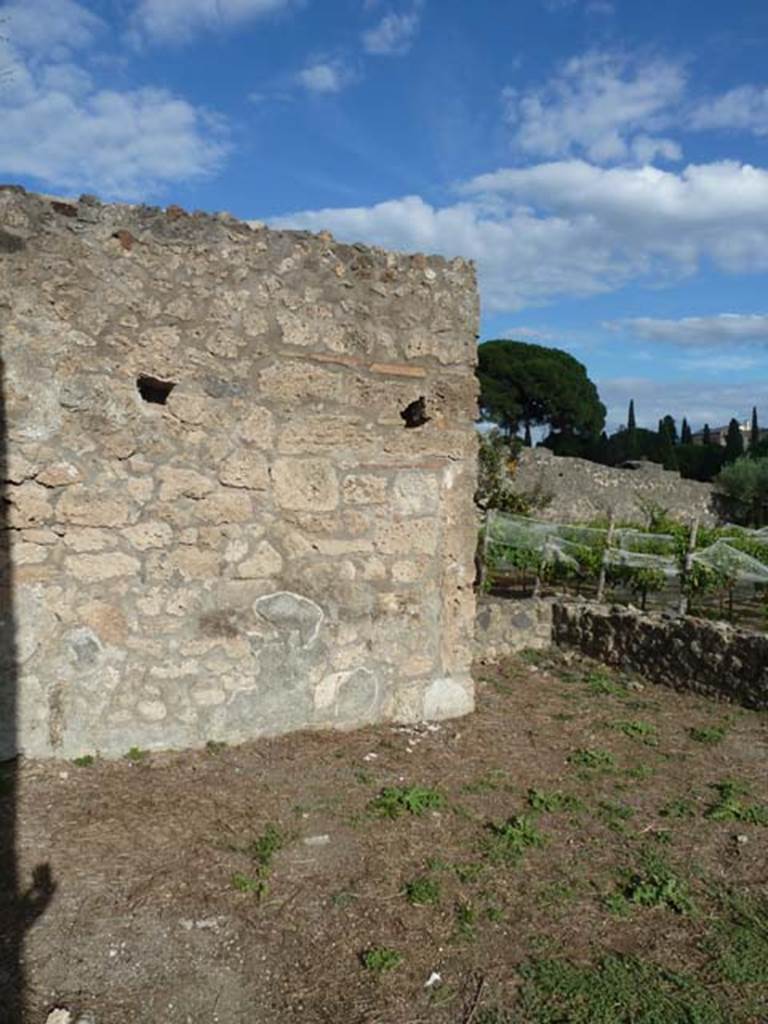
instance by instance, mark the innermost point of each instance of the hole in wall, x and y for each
(415, 414)
(154, 390)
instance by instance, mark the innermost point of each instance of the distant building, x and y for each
(718, 435)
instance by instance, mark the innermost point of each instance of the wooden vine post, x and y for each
(687, 566)
(604, 562)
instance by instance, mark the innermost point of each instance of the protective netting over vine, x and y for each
(515, 542)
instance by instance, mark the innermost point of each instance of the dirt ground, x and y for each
(265, 884)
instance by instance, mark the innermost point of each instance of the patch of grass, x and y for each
(614, 814)
(638, 730)
(600, 684)
(423, 891)
(593, 760)
(556, 894)
(532, 656)
(468, 873)
(553, 801)
(86, 761)
(641, 772)
(466, 919)
(708, 734)
(263, 849)
(654, 884)
(740, 940)
(437, 864)
(380, 959)
(493, 1015)
(136, 754)
(396, 800)
(343, 898)
(244, 883)
(214, 747)
(730, 805)
(487, 783)
(615, 990)
(506, 841)
(680, 808)
(363, 776)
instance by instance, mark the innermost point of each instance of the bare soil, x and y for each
(147, 924)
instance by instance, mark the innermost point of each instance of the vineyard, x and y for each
(719, 573)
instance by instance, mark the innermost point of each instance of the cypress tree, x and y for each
(631, 425)
(527, 439)
(734, 442)
(705, 435)
(685, 432)
(754, 434)
(660, 428)
(670, 427)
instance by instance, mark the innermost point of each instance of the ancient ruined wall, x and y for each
(284, 539)
(711, 658)
(581, 490)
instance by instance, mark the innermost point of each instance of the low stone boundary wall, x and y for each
(503, 626)
(710, 658)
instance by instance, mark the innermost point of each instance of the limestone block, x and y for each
(265, 561)
(307, 434)
(364, 489)
(87, 538)
(225, 506)
(412, 571)
(305, 484)
(194, 564)
(28, 505)
(106, 620)
(258, 428)
(192, 409)
(182, 483)
(60, 474)
(246, 469)
(415, 494)
(149, 534)
(448, 698)
(406, 536)
(81, 505)
(96, 568)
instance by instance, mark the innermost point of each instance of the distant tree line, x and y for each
(524, 386)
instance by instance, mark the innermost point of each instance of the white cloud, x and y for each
(174, 21)
(321, 78)
(699, 400)
(602, 105)
(49, 27)
(60, 128)
(569, 228)
(741, 109)
(700, 331)
(394, 34)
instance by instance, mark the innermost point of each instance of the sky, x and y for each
(604, 162)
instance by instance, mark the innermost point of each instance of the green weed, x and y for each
(593, 760)
(244, 883)
(681, 808)
(708, 734)
(506, 841)
(600, 684)
(396, 800)
(740, 941)
(466, 919)
(655, 884)
(468, 873)
(86, 761)
(553, 801)
(136, 754)
(615, 990)
(614, 814)
(214, 747)
(638, 730)
(379, 959)
(730, 805)
(423, 891)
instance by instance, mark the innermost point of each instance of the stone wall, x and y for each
(238, 474)
(582, 490)
(711, 658)
(504, 626)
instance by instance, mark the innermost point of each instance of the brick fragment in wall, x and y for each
(256, 542)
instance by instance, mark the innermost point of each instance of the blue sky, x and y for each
(603, 161)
